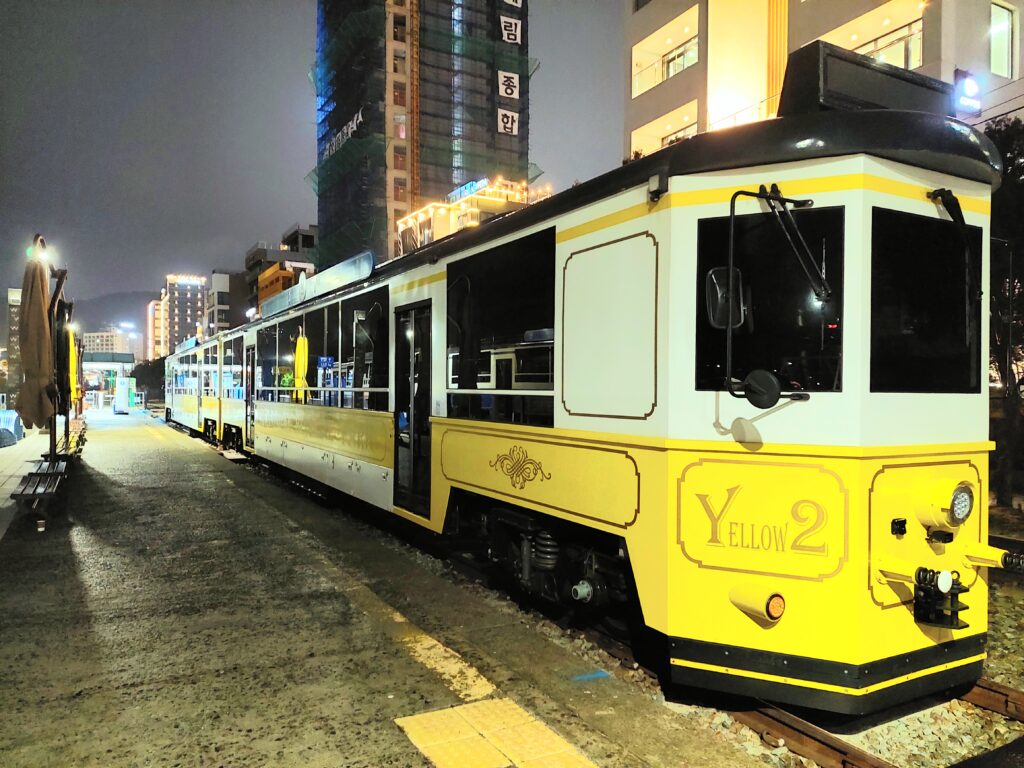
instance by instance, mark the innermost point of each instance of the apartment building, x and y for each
(692, 67)
(156, 328)
(225, 301)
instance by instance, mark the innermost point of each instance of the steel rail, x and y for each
(778, 728)
(998, 698)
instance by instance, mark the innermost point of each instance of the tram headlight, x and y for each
(961, 504)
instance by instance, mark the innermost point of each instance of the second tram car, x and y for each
(683, 387)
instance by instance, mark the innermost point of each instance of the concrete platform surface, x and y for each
(192, 612)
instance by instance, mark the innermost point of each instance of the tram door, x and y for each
(412, 408)
(250, 397)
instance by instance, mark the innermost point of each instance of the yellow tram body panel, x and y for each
(209, 408)
(715, 529)
(232, 412)
(364, 435)
(186, 410)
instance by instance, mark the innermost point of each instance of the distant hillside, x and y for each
(113, 308)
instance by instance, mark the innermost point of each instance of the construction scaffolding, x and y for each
(445, 124)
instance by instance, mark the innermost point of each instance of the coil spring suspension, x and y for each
(926, 577)
(545, 551)
(1014, 561)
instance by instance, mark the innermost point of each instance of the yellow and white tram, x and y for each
(681, 383)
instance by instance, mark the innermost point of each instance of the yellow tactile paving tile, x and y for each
(494, 714)
(527, 741)
(434, 727)
(471, 752)
(497, 732)
(559, 760)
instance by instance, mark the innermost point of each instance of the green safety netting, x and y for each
(349, 155)
(354, 29)
(356, 235)
(500, 54)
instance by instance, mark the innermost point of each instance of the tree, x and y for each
(1007, 301)
(149, 376)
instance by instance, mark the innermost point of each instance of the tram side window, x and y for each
(925, 305)
(364, 350)
(314, 328)
(500, 337)
(288, 332)
(210, 371)
(231, 370)
(266, 361)
(192, 383)
(331, 376)
(785, 329)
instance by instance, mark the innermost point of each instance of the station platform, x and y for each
(191, 611)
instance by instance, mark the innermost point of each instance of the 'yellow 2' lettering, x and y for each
(716, 518)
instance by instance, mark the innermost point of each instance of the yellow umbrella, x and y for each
(301, 364)
(72, 366)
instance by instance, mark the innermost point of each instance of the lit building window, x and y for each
(1001, 41)
(666, 52)
(901, 47)
(680, 123)
(399, 122)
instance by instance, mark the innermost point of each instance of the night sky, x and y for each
(152, 136)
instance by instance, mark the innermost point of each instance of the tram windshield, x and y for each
(925, 304)
(785, 329)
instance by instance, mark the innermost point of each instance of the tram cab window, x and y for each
(925, 304)
(500, 337)
(364, 350)
(266, 361)
(784, 328)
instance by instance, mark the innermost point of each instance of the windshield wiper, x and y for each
(779, 206)
(972, 293)
(763, 388)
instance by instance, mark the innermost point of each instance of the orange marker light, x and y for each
(776, 607)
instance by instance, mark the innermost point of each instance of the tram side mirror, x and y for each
(762, 388)
(716, 288)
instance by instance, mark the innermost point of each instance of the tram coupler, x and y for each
(1013, 562)
(983, 555)
(937, 599)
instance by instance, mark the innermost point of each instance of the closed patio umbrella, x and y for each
(35, 405)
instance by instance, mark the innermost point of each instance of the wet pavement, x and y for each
(192, 612)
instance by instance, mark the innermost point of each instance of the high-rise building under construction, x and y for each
(415, 98)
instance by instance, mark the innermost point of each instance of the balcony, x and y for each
(672, 63)
(665, 52)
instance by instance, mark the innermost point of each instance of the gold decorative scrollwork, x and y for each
(519, 467)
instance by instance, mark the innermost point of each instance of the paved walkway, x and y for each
(194, 613)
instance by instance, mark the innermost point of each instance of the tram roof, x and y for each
(821, 120)
(920, 139)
